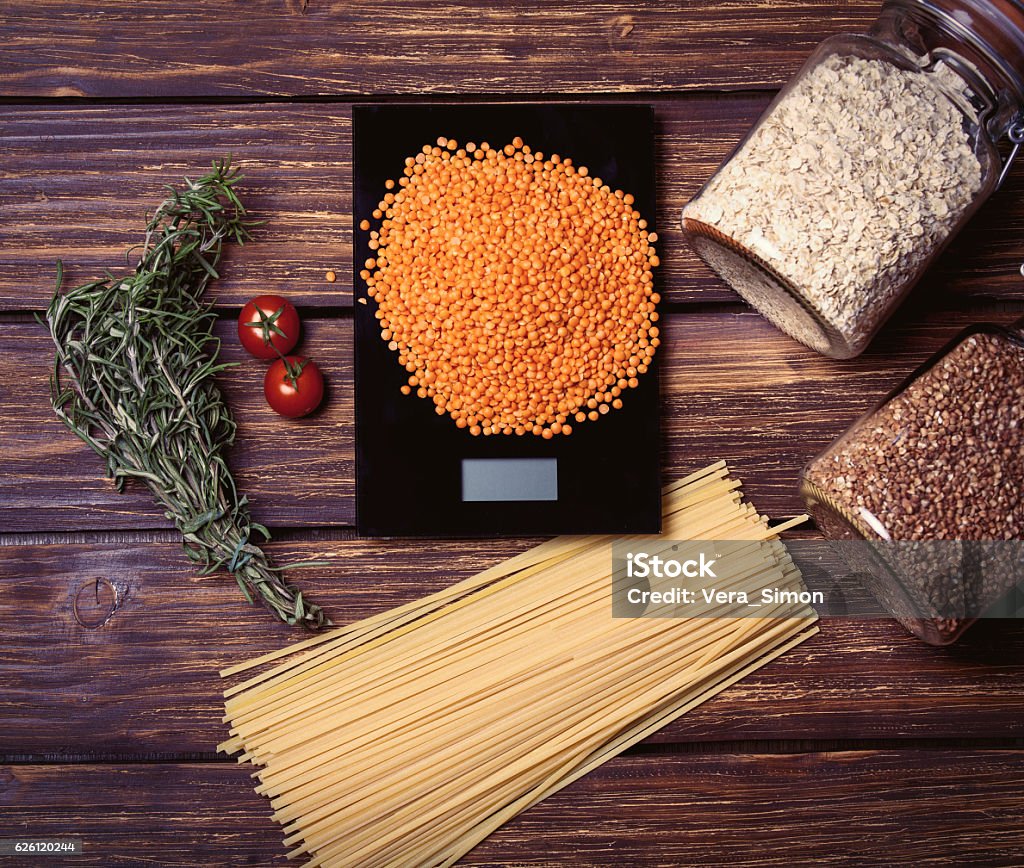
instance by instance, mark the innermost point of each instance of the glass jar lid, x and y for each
(992, 30)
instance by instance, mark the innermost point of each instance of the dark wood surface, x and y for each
(409, 47)
(732, 385)
(82, 619)
(77, 185)
(861, 746)
(743, 809)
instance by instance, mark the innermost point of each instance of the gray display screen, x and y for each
(494, 480)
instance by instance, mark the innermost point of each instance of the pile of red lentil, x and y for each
(516, 289)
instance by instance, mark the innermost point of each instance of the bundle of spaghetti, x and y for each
(406, 738)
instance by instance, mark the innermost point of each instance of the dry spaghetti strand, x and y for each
(405, 739)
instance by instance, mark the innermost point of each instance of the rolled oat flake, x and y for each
(864, 167)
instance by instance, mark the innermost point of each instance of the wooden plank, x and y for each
(112, 650)
(821, 809)
(148, 814)
(308, 47)
(875, 808)
(297, 472)
(78, 182)
(733, 388)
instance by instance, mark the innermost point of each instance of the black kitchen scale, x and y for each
(417, 474)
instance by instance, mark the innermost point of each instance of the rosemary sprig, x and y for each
(134, 377)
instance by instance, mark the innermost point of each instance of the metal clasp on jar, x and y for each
(1015, 135)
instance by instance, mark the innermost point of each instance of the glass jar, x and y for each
(933, 481)
(864, 167)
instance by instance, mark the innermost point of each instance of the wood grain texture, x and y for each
(864, 808)
(733, 387)
(77, 184)
(304, 47)
(112, 643)
(112, 650)
(300, 471)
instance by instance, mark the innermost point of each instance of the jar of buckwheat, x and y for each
(925, 495)
(864, 167)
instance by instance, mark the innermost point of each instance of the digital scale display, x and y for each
(417, 474)
(503, 480)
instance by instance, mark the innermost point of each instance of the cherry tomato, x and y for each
(268, 326)
(294, 389)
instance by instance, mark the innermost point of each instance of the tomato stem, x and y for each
(267, 324)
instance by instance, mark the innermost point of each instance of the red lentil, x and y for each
(517, 291)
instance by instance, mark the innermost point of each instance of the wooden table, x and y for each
(863, 745)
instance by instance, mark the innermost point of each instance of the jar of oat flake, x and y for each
(864, 167)
(925, 495)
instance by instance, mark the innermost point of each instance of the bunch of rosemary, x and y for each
(134, 377)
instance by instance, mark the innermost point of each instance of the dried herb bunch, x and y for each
(134, 378)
